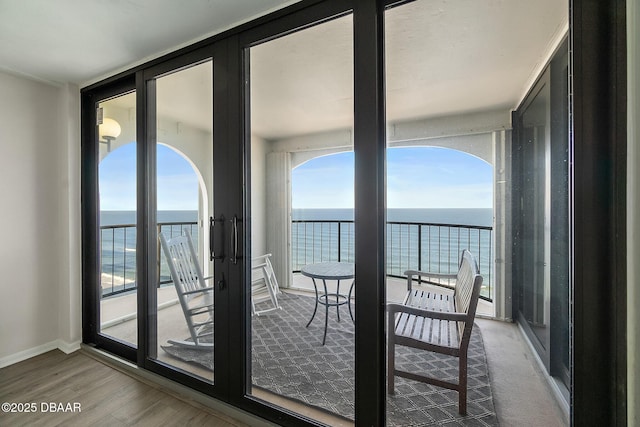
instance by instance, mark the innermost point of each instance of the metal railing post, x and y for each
(419, 246)
(339, 241)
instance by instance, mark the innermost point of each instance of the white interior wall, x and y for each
(36, 286)
(633, 213)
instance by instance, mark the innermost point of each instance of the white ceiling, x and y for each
(80, 41)
(443, 56)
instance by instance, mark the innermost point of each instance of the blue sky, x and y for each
(177, 181)
(417, 177)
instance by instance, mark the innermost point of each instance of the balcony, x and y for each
(417, 245)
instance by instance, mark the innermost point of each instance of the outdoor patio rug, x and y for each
(288, 359)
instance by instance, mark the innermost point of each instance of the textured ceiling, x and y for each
(442, 57)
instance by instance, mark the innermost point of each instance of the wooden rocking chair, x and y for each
(264, 285)
(196, 298)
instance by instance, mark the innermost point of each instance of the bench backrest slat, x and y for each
(467, 292)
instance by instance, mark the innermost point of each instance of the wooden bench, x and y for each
(438, 321)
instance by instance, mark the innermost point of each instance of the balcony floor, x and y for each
(521, 393)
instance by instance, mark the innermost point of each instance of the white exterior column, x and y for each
(501, 227)
(278, 215)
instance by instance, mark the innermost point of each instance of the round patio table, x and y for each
(330, 271)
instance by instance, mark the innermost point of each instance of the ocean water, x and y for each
(129, 217)
(118, 245)
(469, 216)
(417, 239)
(424, 239)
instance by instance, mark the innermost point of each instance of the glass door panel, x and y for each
(440, 202)
(535, 138)
(184, 200)
(118, 290)
(302, 333)
(560, 230)
(542, 218)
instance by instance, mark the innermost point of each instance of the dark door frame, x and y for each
(598, 156)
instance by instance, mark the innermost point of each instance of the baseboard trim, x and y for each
(61, 345)
(68, 347)
(175, 389)
(28, 353)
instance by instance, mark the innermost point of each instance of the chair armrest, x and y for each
(441, 315)
(430, 274)
(201, 290)
(411, 273)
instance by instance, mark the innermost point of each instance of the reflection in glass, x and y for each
(535, 239)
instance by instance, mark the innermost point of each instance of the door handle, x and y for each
(212, 224)
(234, 240)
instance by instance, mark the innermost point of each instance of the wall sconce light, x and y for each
(108, 130)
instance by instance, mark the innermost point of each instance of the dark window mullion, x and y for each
(370, 212)
(146, 221)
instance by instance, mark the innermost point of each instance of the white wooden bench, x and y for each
(438, 321)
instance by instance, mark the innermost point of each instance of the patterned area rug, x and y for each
(290, 360)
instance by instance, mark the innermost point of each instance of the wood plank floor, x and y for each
(107, 397)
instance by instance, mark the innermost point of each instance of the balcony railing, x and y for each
(410, 245)
(118, 246)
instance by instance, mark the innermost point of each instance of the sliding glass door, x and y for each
(268, 151)
(541, 218)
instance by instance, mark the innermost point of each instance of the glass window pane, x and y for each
(454, 73)
(117, 190)
(184, 176)
(302, 176)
